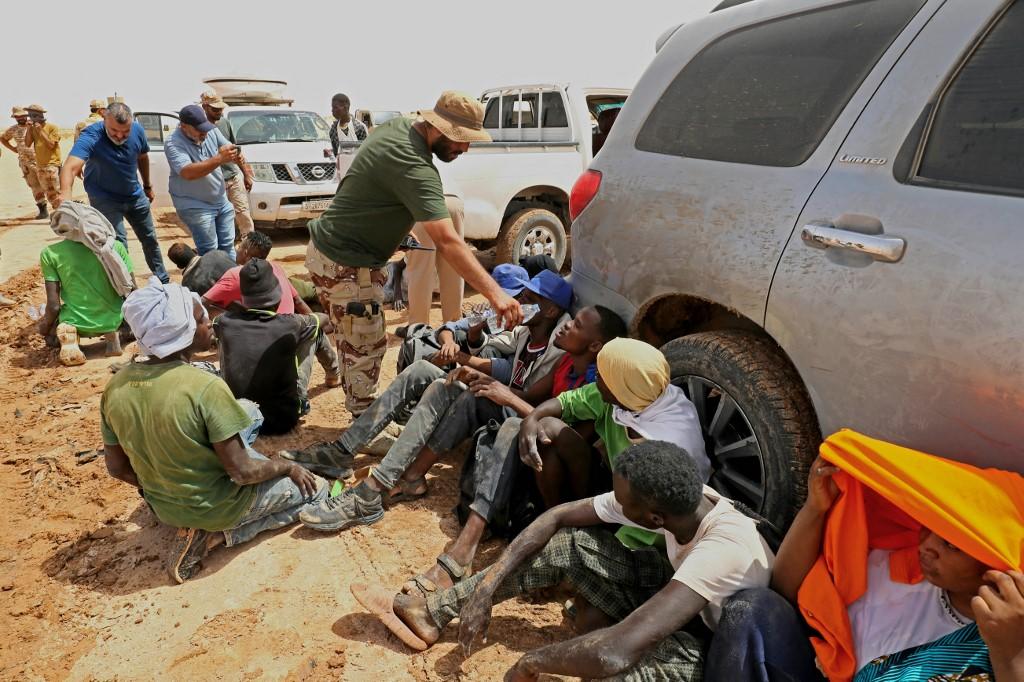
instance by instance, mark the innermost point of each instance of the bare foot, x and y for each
(113, 345)
(413, 612)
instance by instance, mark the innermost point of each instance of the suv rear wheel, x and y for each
(760, 430)
(532, 232)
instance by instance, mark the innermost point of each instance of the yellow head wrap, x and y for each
(636, 372)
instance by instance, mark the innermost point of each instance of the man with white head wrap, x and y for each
(86, 275)
(632, 401)
(177, 433)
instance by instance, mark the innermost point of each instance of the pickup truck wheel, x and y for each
(760, 430)
(532, 232)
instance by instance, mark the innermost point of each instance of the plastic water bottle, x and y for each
(484, 313)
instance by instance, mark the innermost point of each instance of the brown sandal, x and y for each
(425, 586)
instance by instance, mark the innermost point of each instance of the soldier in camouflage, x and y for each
(26, 156)
(97, 108)
(44, 137)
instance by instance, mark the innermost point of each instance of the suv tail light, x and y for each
(584, 189)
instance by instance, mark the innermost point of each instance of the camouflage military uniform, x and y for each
(360, 337)
(26, 159)
(85, 123)
(48, 160)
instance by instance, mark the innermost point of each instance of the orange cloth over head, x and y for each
(887, 493)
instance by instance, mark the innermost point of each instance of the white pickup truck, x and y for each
(516, 188)
(288, 150)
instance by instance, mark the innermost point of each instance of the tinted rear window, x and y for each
(977, 137)
(767, 94)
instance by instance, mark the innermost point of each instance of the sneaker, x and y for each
(187, 552)
(43, 212)
(327, 459)
(344, 511)
(333, 380)
(381, 445)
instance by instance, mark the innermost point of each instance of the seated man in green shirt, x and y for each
(632, 400)
(80, 299)
(178, 434)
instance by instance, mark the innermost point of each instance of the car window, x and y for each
(158, 127)
(249, 127)
(977, 134)
(513, 110)
(769, 93)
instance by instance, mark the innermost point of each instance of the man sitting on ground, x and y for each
(86, 275)
(266, 356)
(492, 470)
(227, 292)
(199, 273)
(440, 420)
(631, 400)
(646, 600)
(175, 432)
(905, 566)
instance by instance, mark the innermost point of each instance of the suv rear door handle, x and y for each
(881, 248)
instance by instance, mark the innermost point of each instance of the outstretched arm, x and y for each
(612, 650)
(476, 614)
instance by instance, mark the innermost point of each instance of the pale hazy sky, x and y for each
(384, 55)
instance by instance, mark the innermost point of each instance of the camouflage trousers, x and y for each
(49, 182)
(360, 335)
(30, 173)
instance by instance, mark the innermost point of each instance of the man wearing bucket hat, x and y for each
(391, 185)
(44, 137)
(237, 176)
(26, 156)
(97, 109)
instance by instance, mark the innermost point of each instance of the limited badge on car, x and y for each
(316, 205)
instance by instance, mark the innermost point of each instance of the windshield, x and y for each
(384, 116)
(252, 127)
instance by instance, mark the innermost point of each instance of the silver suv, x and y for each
(816, 208)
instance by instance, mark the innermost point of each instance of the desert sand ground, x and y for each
(83, 590)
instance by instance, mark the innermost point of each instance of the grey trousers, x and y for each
(322, 348)
(609, 576)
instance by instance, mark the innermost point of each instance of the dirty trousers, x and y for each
(609, 576)
(30, 173)
(320, 347)
(239, 199)
(360, 339)
(48, 178)
(422, 266)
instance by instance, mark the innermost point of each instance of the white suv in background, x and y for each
(294, 177)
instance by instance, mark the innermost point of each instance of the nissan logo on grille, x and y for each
(318, 172)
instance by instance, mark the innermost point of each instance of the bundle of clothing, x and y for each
(84, 224)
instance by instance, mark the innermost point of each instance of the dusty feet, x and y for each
(70, 353)
(450, 567)
(113, 344)
(406, 617)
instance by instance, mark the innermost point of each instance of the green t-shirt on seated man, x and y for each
(89, 302)
(586, 404)
(166, 417)
(391, 185)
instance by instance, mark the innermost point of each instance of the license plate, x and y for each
(316, 206)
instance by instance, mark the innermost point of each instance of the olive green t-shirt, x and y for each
(89, 302)
(391, 185)
(166, 417)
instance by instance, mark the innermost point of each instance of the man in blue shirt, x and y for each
(195, 153)
(117, 152)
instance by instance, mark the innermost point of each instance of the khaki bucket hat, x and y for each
(458, 116)
(98, 104)
(36, 107)
(18, 111)
(212, 99)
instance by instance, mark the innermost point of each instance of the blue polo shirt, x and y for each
(205, 192)
(112, 170)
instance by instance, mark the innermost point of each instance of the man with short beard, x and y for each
(391, 185)
(118, 154)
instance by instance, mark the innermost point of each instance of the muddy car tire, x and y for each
(767, 436)
(536, 225)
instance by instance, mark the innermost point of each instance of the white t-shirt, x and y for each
(726, 555)
(890, 617)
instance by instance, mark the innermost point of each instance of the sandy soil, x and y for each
(83, 590)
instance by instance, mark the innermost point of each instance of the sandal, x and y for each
(425, 586)
(407, 490)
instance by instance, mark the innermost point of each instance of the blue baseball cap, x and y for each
(194, 115)
(511, 278)
(552, 287)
